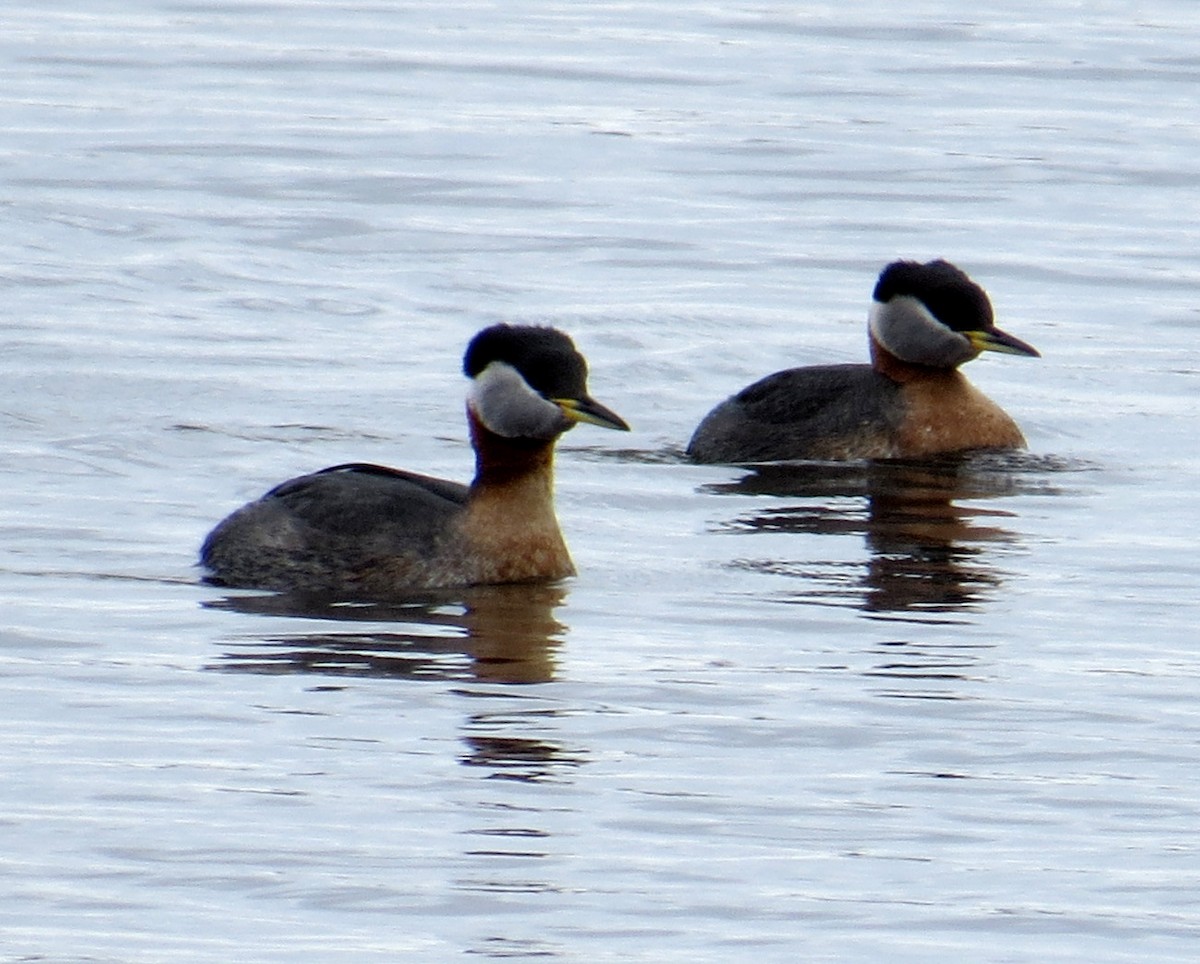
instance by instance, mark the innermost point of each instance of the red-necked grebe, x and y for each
(368, 530)
(910, 402)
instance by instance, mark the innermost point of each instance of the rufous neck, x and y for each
(501, 461)
(888, 365)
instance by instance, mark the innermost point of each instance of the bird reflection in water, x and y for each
(922, 523)
(487, 634)
(935, 540)
(519, 758)
(498, 634)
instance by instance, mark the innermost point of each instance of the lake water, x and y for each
(903, 712)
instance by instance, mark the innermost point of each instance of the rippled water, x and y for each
(914, 711)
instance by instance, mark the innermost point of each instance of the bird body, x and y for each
(370, 530)
(910, 402)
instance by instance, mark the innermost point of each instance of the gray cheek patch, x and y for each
(907, 329)
(507, 405)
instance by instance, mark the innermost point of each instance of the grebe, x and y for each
(372, 531)
(910, 402)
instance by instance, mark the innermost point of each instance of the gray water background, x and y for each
(859, 713)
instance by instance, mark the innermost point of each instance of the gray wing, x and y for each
(320, 530)
(819, 412)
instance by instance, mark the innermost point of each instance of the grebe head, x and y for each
(933, 314)
(529, 382)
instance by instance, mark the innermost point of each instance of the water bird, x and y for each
(371, 531)
(925, 320)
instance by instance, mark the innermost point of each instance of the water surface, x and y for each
(921, 711)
